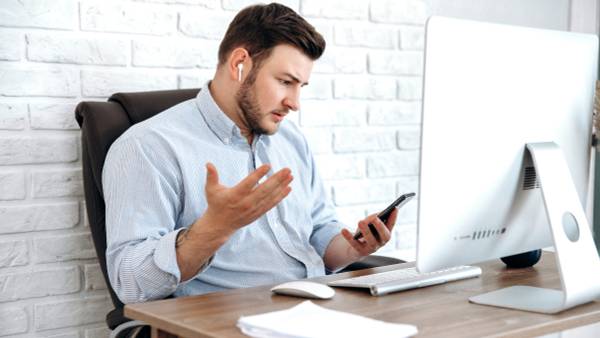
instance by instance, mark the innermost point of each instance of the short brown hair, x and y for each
(260, 28)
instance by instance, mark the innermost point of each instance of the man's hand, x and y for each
(344, 249)
(228, 210)
(371, 242)
(235, 207)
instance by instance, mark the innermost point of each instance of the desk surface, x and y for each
(437, 311)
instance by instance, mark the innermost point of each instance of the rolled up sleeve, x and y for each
(142, 195)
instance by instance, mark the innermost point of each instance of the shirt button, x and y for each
(226, 140)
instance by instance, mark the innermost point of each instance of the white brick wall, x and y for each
(360, 113)
(63, 48)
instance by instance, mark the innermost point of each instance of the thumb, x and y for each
(212, 176)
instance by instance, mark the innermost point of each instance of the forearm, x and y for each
(149, 269)
(195, 246)
(339, 254)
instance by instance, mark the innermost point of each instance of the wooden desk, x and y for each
(438, 311)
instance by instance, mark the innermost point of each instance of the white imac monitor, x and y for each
(505, 148)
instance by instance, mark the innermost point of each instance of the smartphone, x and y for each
(385, 214)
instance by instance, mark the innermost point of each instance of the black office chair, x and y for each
(101, 124)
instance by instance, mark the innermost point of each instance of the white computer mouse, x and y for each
(304, 289)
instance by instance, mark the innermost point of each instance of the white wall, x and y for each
(361, 114)
(584, 16)
(550, 14)
(569, 15)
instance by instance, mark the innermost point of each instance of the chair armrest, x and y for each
(372, 261)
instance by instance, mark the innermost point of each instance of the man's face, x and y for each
(271, 91)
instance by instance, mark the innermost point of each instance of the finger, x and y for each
(370, 219)
(356, 245)
(368, 235)
(212, 176)
(265, 189)
(382, 230)
(358, 231)
(269, 193)
(250, 181)
(350, 239)
(265, 207)
(271, 187)
(277, 195)
(256, 205)
(347, 235)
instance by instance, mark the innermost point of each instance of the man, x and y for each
(221, 191)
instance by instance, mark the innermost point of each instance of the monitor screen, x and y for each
(489, 90)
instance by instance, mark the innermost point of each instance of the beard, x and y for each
(249, 107)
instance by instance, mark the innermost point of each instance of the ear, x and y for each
(238, 56)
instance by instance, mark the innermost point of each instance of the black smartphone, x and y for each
(385, 214)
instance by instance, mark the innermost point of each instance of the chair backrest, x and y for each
(101, 124)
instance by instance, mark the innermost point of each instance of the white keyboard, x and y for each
(406, 278)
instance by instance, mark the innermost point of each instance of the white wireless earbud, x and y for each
(240, 68)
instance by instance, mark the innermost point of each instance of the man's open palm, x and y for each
(240, 205)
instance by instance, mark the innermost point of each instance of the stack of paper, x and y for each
(309, 320)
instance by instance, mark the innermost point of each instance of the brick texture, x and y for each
(12, 185)
(60, 14)
(11, 45)
(18, 323)
(41, 149)
(77, 50)
(70, 313)
(13, 253)
(55, 82)
(37, 217)
(63, 248)
(127, 18)
(13, 116)
(39, 284)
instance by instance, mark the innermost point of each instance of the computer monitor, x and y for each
(494, 95)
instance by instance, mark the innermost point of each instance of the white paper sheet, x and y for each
(308, 320)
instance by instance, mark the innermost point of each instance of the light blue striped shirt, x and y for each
(153, 181)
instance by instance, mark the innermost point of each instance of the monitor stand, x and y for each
(577, 258)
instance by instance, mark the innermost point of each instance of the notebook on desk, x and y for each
(405, 278)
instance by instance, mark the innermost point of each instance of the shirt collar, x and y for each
(215, 118)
